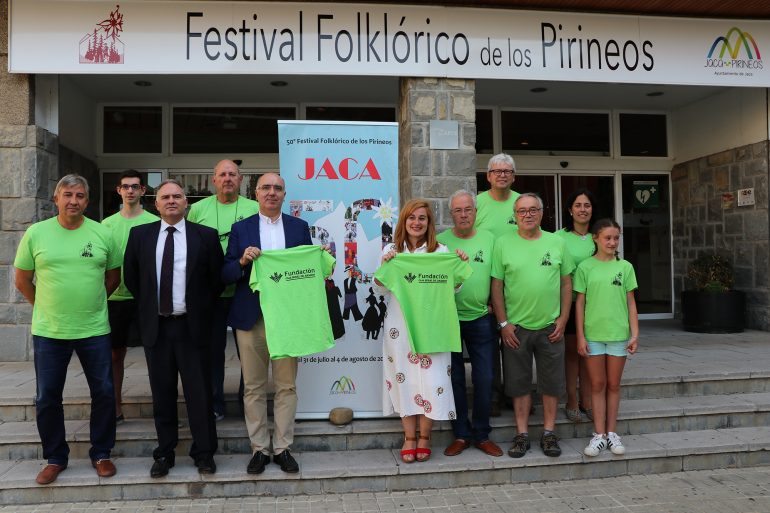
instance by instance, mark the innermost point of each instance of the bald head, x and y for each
(227, 181)
(271, 191)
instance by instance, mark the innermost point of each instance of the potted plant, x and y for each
(709, 304)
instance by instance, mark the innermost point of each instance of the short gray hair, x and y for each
(462, 192)
(501, 158)
(529, 195)
(168, 181)
(71, 180)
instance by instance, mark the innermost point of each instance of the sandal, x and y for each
(423, 453)
(588, 412)
(573, 415)
(409, 455)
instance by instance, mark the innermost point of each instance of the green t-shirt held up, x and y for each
(292, 296)
(532, 271)
(69, 265)
(473, 298)
(605, 285)
(221, 216)
(119, 227)
(495, 216)
(424, 285)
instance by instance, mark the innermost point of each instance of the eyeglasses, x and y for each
(501, 172)
(466, 211)
(266, 188)
(130, 186)
(223, 236)
(524, 212)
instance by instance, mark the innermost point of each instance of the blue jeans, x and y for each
(480, 337)
(52, 356)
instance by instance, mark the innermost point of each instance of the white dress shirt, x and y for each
(271, 234)
(180, 265)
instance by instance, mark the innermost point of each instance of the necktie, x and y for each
(166, 305)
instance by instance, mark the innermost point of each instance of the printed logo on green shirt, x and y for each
(344, 385)
(276, 277)
(409, 277)
(546, 259)
(426, 278)
(512, 219)
(88, 251)
(618, 279)
(479, 256)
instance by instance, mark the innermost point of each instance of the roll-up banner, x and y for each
(342, 178)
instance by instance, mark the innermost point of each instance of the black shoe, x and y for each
(550, 445)
(287, 462)
(206, 465)
(520, 446)
(257, 463)
(161, 466)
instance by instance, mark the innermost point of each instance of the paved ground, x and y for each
(711, 491)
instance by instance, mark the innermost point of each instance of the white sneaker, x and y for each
(616, 446)
(595, 446)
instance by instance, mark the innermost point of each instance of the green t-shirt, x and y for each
(606, 285)
(496, 216)
(473, 299)
(119, 226)
(424, 285)
(579, 248)
(292, 296)
(532, 271)
(210, 212)
(69, 265)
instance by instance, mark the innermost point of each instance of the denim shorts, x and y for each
(608, 348)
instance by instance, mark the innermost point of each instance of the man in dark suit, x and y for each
(269, 229)
(172, 268)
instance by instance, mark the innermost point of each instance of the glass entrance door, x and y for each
(647, 239)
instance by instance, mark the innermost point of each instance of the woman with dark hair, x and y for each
(418, 386)
(577, 219)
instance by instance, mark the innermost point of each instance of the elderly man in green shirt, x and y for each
(220, 211)
(66, 267)
(531, 298)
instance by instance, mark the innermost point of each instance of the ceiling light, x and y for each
(279, 83)
(142, 83)
(538, 90)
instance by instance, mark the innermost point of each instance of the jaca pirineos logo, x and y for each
(103, 46)
(344, 385)
(736, 53)
(346, 169)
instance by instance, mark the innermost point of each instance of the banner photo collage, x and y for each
(342, 178)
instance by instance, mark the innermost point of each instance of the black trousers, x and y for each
(174, 355)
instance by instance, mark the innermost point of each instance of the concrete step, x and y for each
(136, 437)
(375, 470)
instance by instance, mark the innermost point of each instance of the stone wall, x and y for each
(701, 224)
(436, 174)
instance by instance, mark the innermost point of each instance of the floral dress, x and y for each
(414, 383)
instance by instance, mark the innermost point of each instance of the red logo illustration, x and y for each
(103, 46)
(348, 169)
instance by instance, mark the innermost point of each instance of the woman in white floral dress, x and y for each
(418, 386)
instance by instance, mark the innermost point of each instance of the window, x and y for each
(643, 135)
(484, 131)
(350, 113)
(556, 133)
(132, 129)
(228, 130)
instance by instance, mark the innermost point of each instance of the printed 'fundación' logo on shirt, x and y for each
(297, 274)
(88, 251)
(426, 277)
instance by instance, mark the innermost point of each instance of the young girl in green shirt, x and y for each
(607, 329)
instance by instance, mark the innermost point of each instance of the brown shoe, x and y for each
(489, 447)
(456, 447)
(104, 468)
(49, 473)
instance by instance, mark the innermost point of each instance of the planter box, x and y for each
(713, 312)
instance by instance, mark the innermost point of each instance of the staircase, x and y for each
(689, 402)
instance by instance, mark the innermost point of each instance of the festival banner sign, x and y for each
(342, 178)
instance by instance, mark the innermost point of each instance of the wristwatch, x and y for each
(501, 325)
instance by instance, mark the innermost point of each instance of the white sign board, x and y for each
(183, 37)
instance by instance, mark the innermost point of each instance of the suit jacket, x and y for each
(204, 262)
(245, 310)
